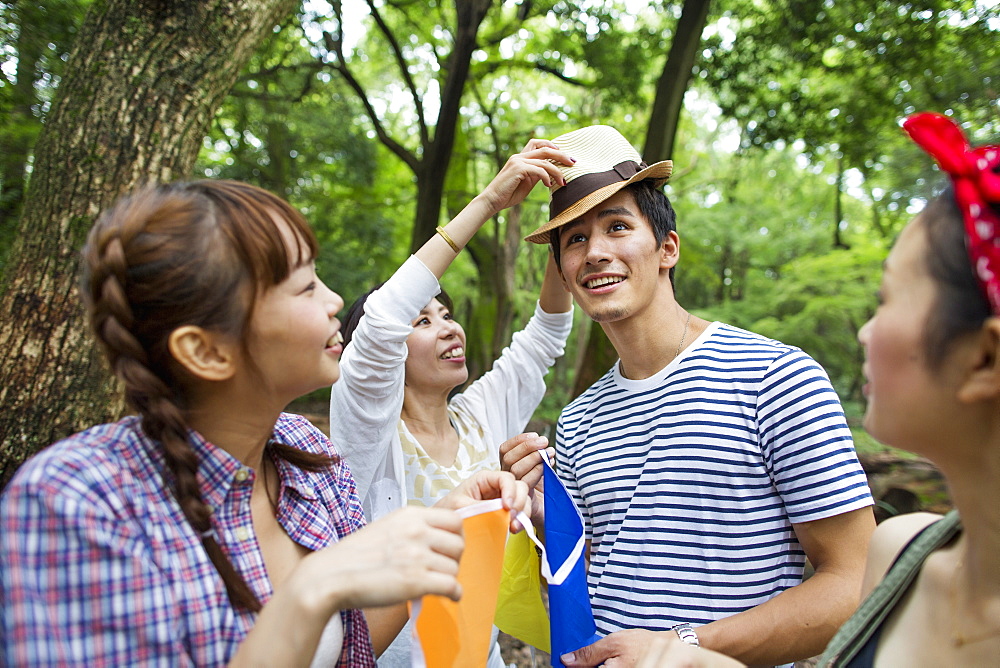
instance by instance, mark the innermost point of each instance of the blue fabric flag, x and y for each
(571, 621)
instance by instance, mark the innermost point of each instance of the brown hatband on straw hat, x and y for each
(605, 163)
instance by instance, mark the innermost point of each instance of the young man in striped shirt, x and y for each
(709, 463)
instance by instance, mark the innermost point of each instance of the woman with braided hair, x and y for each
(212, 527)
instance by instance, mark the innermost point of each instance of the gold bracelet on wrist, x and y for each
(451, 242)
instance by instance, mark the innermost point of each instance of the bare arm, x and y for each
(554, 297)
(799, 622)
(384, 624)
(404, 555)
(889, 538)
(793, 625)
(667, 652)
(510, 186)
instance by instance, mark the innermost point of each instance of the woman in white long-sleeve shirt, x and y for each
(405, 441)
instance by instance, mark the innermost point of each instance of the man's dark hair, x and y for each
(653, 205)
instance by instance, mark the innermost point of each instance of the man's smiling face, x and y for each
(610, 260)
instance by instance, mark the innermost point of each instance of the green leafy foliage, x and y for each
(35, 39)
(290, 127)
(838, 75)
(757, 252)
(821, 304)
(791, 175)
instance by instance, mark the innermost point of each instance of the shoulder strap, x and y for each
(873, 611)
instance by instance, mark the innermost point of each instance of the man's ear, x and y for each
(206, 355)
(670, 250)
(982, 377)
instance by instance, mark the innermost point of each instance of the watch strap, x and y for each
(686, 633)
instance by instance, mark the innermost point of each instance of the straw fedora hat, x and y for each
(605, 163)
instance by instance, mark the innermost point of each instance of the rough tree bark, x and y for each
(138, 94)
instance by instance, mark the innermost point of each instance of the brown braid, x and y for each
(185, 254)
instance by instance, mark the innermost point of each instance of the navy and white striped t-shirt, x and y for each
(689, 481)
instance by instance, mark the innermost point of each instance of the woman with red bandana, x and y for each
(407, 438)
(932, 583)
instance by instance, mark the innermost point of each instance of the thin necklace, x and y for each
(621, 364)
(680, 345)
(958, 638)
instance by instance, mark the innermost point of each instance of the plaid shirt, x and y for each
(99, 567)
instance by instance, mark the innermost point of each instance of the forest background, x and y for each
(381, 119)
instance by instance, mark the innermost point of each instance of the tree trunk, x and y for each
(838, 207)
(437, 153)
(491, 317)
(673, 81)
(139, 92)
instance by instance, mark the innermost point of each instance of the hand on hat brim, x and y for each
(536, 162)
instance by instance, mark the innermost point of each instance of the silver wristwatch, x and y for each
(686, 633)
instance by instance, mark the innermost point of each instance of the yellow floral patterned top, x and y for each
(428, 480)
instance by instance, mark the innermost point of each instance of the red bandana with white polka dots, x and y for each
(977, 191)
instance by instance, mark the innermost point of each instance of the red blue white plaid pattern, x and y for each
(99, 567)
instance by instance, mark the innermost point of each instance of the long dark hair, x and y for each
(962, 305)
(186, 254)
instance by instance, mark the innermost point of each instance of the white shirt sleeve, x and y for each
(365, 403)
(504, 398)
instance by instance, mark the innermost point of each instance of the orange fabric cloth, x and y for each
(458, 634)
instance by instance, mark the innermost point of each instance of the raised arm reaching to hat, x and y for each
(535, 162)
(709, 462)
(408, 438)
